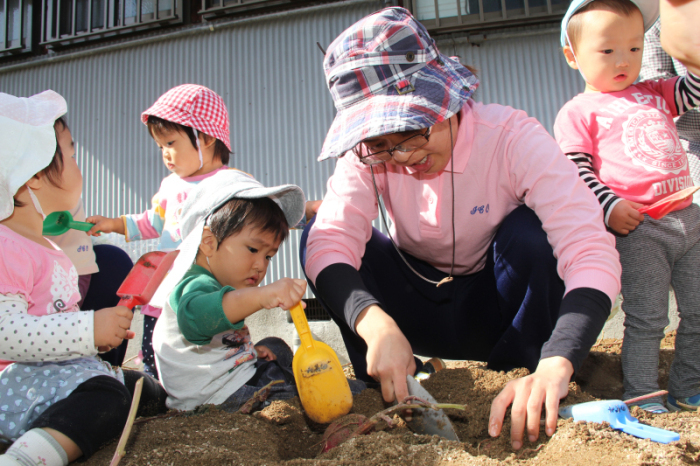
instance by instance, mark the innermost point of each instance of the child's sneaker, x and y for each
(653, 408)
(692, 403)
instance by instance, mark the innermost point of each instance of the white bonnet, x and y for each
(27, 140)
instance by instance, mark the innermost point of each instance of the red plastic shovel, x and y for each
(658, 209)
(143, 280)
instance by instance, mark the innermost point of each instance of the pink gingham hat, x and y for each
(195, 106)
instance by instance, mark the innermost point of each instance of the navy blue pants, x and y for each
(149, 356)
(502, 314)
(269, 371)
(95, 413)
(114, 264)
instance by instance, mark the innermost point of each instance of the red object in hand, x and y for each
(658, 209)
(143, 280)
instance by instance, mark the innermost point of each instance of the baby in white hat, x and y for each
(52, 384)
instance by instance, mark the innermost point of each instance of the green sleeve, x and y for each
(197, 302)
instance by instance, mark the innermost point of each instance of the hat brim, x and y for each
(165, 113)
(649, 9)
(440, 92)
(289, 197)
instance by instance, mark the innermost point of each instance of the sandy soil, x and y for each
(281, 435)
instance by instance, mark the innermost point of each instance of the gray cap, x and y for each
(205, 199)
(649, 9)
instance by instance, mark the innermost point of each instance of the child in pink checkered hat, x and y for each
(190, 125)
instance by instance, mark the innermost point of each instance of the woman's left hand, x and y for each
(547, 385)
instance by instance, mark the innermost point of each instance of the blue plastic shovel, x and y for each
(616, 413)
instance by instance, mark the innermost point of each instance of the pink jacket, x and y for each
(502, 159)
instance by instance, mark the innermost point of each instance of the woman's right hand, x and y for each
(105, 225)
(389, 354)
(112, 326)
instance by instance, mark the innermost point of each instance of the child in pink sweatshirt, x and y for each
(622, 137)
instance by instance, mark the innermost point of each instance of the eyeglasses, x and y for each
(408, 145)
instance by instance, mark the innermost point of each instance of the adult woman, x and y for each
(487, 215)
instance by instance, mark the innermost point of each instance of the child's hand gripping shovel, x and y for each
(143, 280)
(58, 223)
(615, 413)
(139, 286)
(137, 289)
(323, 388)
(658, 209)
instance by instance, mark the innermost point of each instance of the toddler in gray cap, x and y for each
(232, 226)
(621, 134)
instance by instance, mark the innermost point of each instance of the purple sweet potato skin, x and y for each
(343, 429)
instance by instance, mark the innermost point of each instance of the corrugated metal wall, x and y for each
(270, 75)
(524, 69)
(269, 72)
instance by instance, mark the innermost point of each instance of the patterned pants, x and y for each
(656, 255)
(149, 360)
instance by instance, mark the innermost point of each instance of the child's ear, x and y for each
(206, 140)
(36, 181)
(569, 55)
(208, 244)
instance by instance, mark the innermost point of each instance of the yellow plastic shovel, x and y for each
(323, 388)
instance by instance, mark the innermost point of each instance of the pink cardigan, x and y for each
(502, 159)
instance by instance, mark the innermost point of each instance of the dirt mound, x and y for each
(281, 434)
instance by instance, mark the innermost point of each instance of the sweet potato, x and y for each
(345, 428)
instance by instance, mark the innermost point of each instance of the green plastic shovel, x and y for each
(57, 223)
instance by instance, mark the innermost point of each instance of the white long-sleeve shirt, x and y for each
(39, 315)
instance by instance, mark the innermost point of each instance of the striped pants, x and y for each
(659, 253)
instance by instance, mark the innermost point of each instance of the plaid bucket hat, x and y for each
(386, 75)
(195, 106)
(649, 9)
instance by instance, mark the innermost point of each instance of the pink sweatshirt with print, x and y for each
(632, 139)
(502, 159)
